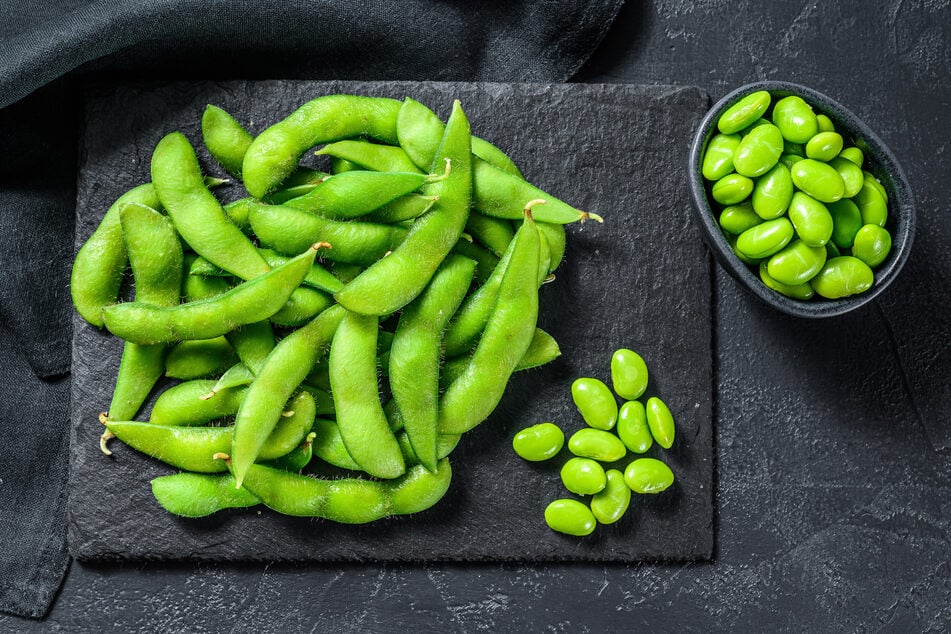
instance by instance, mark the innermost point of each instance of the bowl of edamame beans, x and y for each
(799, 200)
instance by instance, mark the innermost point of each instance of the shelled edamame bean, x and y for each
(787, 186)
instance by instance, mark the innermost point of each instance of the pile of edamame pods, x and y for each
(638, 426)
(795, 202)
(419, 256)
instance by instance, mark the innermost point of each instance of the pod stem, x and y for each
(104, 440)
(432, 178)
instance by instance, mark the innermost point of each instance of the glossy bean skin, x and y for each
(595, 402)
(846, 222)
(583, 476)
(610, 504)
(732, 189)
(790, 159)
(824, 146)
(872, 205)
(759, 151)
(736, 219)
(225, 138)
(356, 193)
(795, 119)
(371, 156)
(773, 193)
(648, 475)
(275, 153)
(832, 251)
(765, 239)
(854, 155)
(660, 421)
(800, 291)
(597, 445)
(570, 517)
(852, 177)
(629, 374)
(632, 427)
(825, 123)
(197, 359)
(731, 240)
(843, 276)
(797, 263)
(200, 494)
(872, 245)
(874, 182)
(819, 180)
(431, 237)
(718, 157)
(539, 442)
(183, 405)
(744, 112)
(811, 219)
(204, 319)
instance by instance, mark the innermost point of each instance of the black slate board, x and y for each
(641, 280)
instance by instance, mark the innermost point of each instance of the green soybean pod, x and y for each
(339, 166)
(811, 218)
(596, 403)
(846, 222)
(632, 427)
(356, 193)
(660, 421)
(583, 476)
(184, 405)
(300, 182)
(225, 138)
(718, 157)
(610, 504)
(843, 276)
(824, 146)
(853, 155)
(648, 475)
(759, 151)
(328, 445)
(539, 442)
(370, 156)
(773, 193)
(597, 445)
(818, 179)
(872, 245)
(744, 112)
(493, 233)
(628, 374)
(302, 306)
(555, 236)
(871, 205)
(197, 359)
(402, 209)
(736, 219)
(200, 494)
(732, 189)
(852, 177)
(795, 119)
(765, 239)
(800, 291)
(797, 263)
(570, 517)
(825, 123)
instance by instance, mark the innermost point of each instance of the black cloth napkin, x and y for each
(48, 49)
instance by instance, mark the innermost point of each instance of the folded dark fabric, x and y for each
(48, 49)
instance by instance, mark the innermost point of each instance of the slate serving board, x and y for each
(640, 280)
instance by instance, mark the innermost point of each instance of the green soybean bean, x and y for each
(276, 151)
(790, 159)
(736, 219)
(394, 281)
(797, 263)
(852, 178)
(795, 119)
(872, 245)
(731, 240)
(871, 205)
(595, 402)
(660, 421)
(765, 239)
(570, 517)
(539, 442)
(818, 179)
(745, 131)
(288, 230)
(200, 494)
(246, 303)
(812, 220)
(583, 476)
(796, 149)
(357, 193)
(610, 504)
(184, 404)
(732, 189)
(759, 151)
(744, 112)
(825, 123)
(282, 373)
(874, 182)
(493, 233)
(360, 417)
(854, 155)
(301, 182)
(632, 427)
(225, 138)
(349, 500)
(718, 157)
(198, 359)
(597, 445)
(415, 354)
(846, 222)
(824, 146)
(843, 276)
(773, 193)
(628, 374)
(508, 334)
(648, 475)
(800, 291)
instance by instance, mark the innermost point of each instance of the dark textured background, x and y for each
(833, 501)
(640, 280)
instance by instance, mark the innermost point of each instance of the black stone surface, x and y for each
(640, 280)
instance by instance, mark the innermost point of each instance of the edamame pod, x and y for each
(225, 138)
(843, 276)
(402, 209)
(765, 239)
(610, 504)
(184, 405)
(811, 218)
(200, 494)
(252, 343)
(357, 193)
(795, 119)
(371, 156)
(718, 158)
(493, 233)
(197, 359)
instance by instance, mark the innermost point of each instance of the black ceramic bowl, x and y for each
(879, 160)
